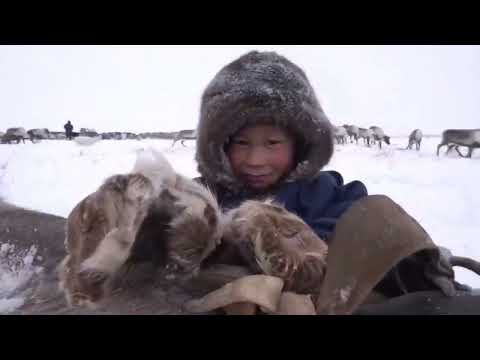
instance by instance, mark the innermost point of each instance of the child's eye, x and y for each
(274, 142)
(240, 142)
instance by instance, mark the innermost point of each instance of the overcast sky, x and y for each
(158, 88)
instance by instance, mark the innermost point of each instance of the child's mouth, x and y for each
(257, 180)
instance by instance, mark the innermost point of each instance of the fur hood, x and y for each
(261, 88)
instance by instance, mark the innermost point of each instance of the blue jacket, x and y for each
(319, 201)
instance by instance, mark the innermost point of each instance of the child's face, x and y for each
(261, 155)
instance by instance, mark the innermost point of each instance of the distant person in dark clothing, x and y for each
(68, 130)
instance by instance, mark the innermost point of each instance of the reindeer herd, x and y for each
(452, 138)
(370, 136)
(20, 135)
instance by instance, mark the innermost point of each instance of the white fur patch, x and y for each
(153, 165)
(111, 254)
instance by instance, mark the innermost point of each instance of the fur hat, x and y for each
(261, 88)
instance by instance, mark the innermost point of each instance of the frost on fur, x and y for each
(150, 210)
(196, 226)
(153, 165)
(101, 231)
(280, 243)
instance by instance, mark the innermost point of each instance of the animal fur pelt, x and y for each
(151, 207)
(276, 242)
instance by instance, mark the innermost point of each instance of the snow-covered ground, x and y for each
(440, 192)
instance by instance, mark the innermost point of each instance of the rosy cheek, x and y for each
(285, 160)
(235, 159)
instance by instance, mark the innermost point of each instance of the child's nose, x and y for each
(257, 156)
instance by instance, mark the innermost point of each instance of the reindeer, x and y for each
(15, 134)
(366, 135)
(340, 134)
(183, 135)
(415, 138)
(38, 134)
(88, 132)
(352, 132)
(379, 135)
(454, 138)
(132, 136)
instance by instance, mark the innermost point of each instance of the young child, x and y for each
(262, 133)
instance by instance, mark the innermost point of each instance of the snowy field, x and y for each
(440, 192)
